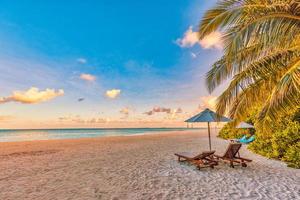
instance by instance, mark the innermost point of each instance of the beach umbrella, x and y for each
(244, 125)
(207, 116)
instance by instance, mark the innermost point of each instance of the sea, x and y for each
(10, 135)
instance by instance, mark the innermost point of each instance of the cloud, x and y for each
(193, 55)
(161, 109)
(174, 114)
(82, 60)
(190, 38)
(177, 111)
(112, 94)
(5, 118)
(213, 40)
(79, 120)
(97, 120)
(158, 110)
(125, 111)
(88, 77)
(80, 99)
(149, 112)
(207, 102)
(32, 95)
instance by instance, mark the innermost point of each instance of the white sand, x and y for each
(137, 167)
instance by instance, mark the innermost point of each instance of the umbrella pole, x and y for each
(209, 136)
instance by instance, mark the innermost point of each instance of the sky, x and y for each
(103, 63)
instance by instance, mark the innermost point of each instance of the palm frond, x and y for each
(261, 52)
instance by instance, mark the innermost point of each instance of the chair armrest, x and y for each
(246, 159)
(217, 156)
(243, 159)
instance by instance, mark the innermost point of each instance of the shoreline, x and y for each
(98, 139)
(36, 129)
(136, 167)
(151, 132)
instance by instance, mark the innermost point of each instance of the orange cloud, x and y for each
(190, 38)
(158, 110)
(177, 111)
(207, 102)
(213, 40)
(125, 111)
(5, 118)
(174, 114)
(87, 77)
(77, 119)
(163, 110)
(32, 95)
(112, 94)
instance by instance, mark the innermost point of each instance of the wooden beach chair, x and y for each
(204, 159)
(232, 155)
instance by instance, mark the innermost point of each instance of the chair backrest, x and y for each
(204, 154)
(232, 150)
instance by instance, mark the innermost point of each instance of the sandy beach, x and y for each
(136, 167)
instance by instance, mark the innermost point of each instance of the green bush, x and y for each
(262, 145)
(227, 132)
(281, 142)
(292, 156)
(283, 139)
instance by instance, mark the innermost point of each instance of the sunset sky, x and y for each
(103, 63)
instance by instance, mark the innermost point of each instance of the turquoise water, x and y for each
(50, 134)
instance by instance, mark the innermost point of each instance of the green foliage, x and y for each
(277, 145)
(227, 132)
(262, 145)
(281, 141)
(292, 156)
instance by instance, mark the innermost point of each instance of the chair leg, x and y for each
(231, 164)
(244, 164)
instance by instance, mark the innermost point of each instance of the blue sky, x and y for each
(135, 49)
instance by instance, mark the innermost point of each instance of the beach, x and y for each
(136, 167)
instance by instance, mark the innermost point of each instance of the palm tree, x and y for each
(261, 56)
